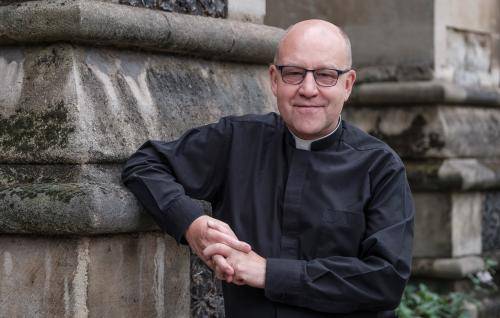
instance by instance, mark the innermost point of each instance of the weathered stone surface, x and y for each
(70, 208)
(467, 42)
(247, 10)
(143, 275)
(13, 175)
(209, 8)
(448, 224)
(432, 225)
(101, 23)
(432, 132)
(38, 276)
(87, 105)
(466, 223)
(112, 276)
(449, 268)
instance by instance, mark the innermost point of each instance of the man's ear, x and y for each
(273, 75)
(350, 78)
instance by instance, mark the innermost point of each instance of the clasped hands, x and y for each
(231, 259)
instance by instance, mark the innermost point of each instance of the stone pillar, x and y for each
(82, 85)
(428, 85)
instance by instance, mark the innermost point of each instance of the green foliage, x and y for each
(420, 302)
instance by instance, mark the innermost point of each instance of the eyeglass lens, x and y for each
(295, 75)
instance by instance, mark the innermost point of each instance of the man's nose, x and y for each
(308, 87)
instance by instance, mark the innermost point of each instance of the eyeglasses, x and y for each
(324, 76)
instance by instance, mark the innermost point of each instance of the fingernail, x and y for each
(210, 223)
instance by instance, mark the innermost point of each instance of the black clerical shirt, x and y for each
(335, 223)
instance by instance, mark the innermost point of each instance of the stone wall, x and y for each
(82, 85)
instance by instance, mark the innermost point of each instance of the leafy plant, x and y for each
(420, 302)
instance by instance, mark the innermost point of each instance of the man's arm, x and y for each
(373, 281)
(165, 177)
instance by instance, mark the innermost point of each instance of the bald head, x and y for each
(320, 30)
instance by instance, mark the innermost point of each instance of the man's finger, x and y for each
(220, 226)
(217, 248)
(210, 263)
(220, 237)
(218, 274)
(222, 265)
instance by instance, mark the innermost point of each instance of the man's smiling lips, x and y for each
(307, 106)
(307, 109)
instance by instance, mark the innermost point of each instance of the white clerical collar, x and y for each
(306, 144)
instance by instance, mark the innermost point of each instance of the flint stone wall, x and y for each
(82, 85)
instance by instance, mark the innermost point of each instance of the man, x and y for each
(326, 209)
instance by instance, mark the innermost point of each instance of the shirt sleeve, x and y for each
(166, 176)
(373, 281)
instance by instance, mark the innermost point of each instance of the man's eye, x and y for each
(294, 73)
(326, 74)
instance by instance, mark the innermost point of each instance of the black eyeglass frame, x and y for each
(339, 73)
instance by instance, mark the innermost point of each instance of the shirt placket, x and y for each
(293, 204)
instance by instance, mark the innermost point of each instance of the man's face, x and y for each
(309, 110)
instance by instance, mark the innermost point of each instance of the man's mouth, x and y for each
(307, 106)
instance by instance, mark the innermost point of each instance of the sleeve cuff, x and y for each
(283, 278)
(184, 211)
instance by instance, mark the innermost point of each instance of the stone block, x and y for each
(437, 132)
(448, 224)
(247, 10)
(432, 225)
(70, 208)
(466, 223)
(467, 42)
(95, 105)
(140, 275)
(39, 277)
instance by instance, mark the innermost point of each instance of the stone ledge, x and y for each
(422, 93)
(108, 24)
(419, 132)
(454, 174)
(447, 268)
(71, 208)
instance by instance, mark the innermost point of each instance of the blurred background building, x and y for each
(84, 83)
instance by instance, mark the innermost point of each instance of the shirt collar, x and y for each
(316, 144)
